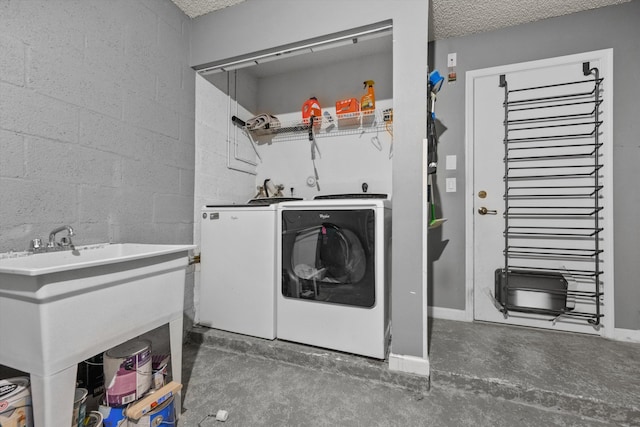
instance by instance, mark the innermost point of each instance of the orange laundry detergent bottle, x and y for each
(368, 101)
(311, 107)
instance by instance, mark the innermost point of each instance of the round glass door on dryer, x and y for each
(329, 260)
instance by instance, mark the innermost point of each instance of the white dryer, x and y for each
(334, 273)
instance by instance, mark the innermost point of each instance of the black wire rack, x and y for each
(552, 200)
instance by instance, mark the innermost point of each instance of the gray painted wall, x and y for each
(611, 27)
(96, 122)
(258, 24)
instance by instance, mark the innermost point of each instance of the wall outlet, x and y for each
(452, 59)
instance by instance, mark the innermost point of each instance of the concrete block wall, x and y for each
(97, 110)
(215, 183)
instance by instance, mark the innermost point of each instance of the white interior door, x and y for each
(485, 179)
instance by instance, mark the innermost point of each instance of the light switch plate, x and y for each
(451, 162)
(451, 185)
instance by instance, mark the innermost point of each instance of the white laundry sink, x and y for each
(60, 308)
(83, 257)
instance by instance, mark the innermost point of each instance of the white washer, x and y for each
(237, 267)
(334, 274)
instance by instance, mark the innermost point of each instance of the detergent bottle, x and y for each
(311, 107)
(368, 101)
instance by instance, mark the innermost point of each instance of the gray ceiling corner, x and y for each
(456, 18)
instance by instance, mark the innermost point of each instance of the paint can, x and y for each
(79, 407)
(15, 402)
(159, 364)
(113, 416)
(91, 375)
(127, 372)
(162, 416)
(94, 419)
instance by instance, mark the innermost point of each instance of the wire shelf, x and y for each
(552, 199)
(360, 122)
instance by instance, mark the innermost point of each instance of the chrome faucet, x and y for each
(36, 246)
(64, 243)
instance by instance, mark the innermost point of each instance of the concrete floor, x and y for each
(482, 375)
(264, 392)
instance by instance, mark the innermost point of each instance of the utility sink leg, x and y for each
(175, 340)
(52, 398)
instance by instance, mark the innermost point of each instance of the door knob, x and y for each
(485, 211)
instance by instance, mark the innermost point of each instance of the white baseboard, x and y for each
(629, 335)
(409, 364)
(447, 313)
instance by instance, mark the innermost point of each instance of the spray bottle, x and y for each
(368, 101)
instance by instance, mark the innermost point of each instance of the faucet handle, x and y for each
(35, 245)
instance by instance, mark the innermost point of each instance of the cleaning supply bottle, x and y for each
(368, 101)
(311, 107)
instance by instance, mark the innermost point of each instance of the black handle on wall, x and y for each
(238, 121)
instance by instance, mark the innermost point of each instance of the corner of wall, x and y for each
(409, 364)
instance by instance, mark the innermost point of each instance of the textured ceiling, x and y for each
(454, 18)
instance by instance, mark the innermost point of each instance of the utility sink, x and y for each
(60, 308)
